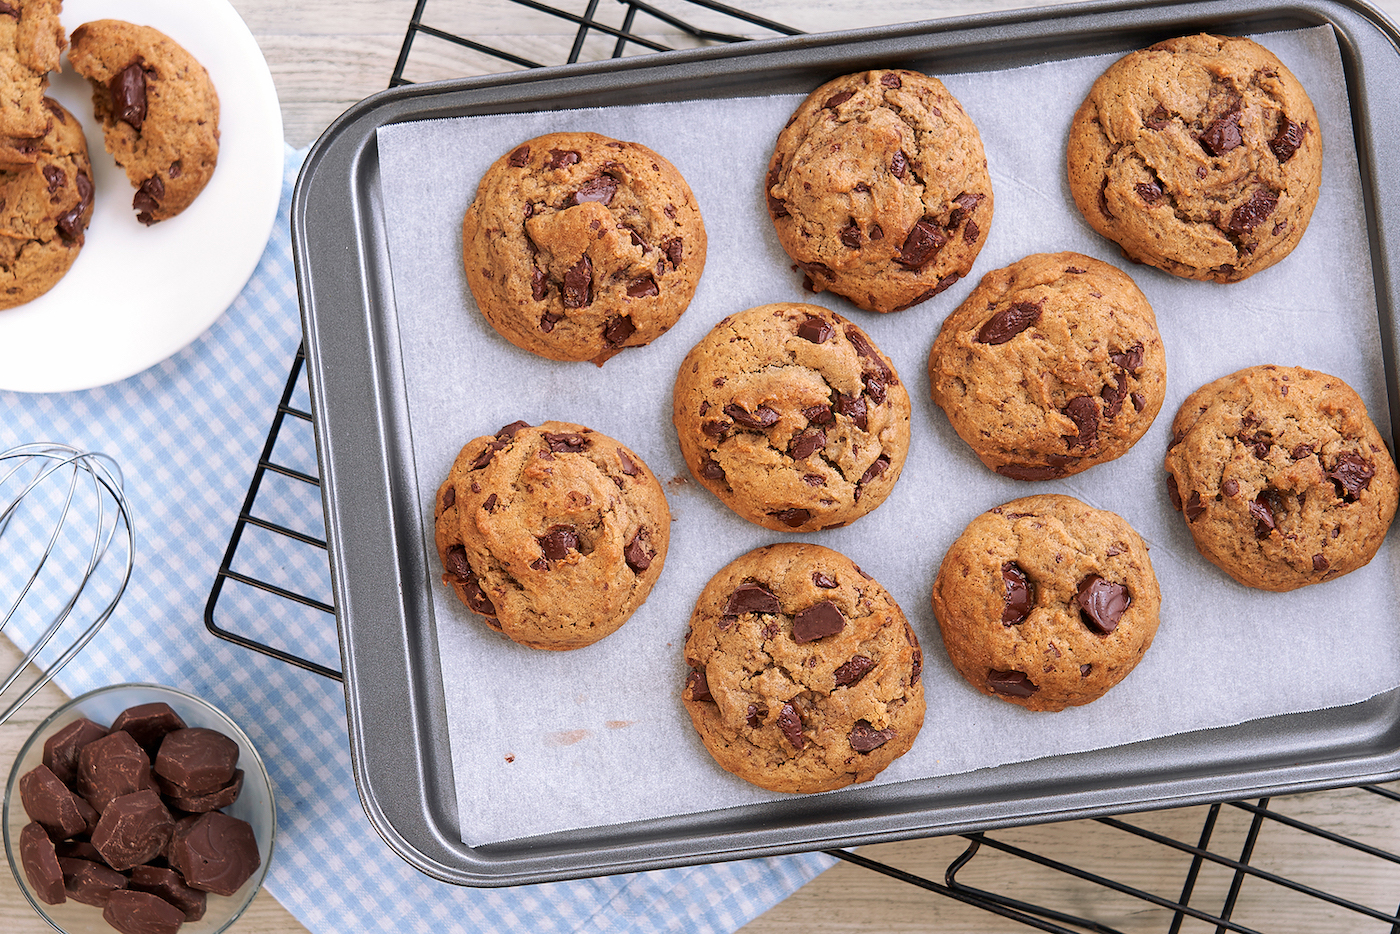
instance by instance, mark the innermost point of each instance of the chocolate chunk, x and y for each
(9, 10)
(868, 352)
(1031, 471)
(477, 601)
(698, 686)
(881, 464)
(600, 190)
(148, 724)
(1019, 594)
(1149, 192)
(792, 518)
(807, 444)
(197, 759)
(1084, 412)
(133, 912)
(963, 206)
(754, 716)
(70, 224)
(751, 597)
(815, 329)
(36, 855)
(454, 561)
(449, 498)
(55, 177)
(1301, 451)
(853, 407)
(134, 829)
(777, 207)
(824, 581)
(1011, 683)
(167, 884)
(560, 158)
(850, 236)
(50, 802)
(637, 555)
(578, 284)
(1009, 322)
(899, 163)
(520, 157)
(1287, 140)
(874, 388)
(215, 853)
(643, 286)
(790, 722)
(922, 245)
(111, 767)
(618, 330)
(853, 670)
(128, 91)
(570, 442)
(1223, 135)
(1319, 562)
(558, 542)
(818, 621)
(147, 199)
(758, 421)
(864, 737)
(539, 288)
(1230, 487)
(675, 251)
(710, 469)
(1157, 119)
(1253, 212)
(1130, 359)
(1195, 507)
(1102, 603)
(89, 882)
(1113, 396)
(1264, 511)
(837, 99)
(891, 80)
(1351, 474)
(212, 801)
(1174, 492)
(629, 467)
(817, 414)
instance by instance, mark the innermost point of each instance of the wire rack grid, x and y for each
(1233, 866)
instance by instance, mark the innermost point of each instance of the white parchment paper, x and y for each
(545, 741)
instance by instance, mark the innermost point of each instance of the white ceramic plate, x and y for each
(137, 295)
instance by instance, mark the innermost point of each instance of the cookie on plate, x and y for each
(554, 534)
(1282, 477)
(578, 246)
(1046, 602)
(1052, 365)
(878, 189)
(792, 416)
(1200, 155)
(804, 674)
(158, 109)
(44, 210)
(31, 41)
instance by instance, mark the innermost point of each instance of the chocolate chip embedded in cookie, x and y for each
(578, 246)
(804, 675)
(1281, 476)
(554, 534)
(1046, 602)
(878, 189)
(31, 41)
(1052, 365)
(792, 416)
(1200, 155)
(44, 211)
(159, 112)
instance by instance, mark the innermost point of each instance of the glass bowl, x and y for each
(254, 805)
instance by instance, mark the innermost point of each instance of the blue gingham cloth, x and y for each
(187, 434)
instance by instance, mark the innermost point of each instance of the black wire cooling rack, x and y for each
(1232, 866)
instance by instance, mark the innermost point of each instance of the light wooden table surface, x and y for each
(327, 54)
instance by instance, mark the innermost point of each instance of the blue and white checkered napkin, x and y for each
(187, 434)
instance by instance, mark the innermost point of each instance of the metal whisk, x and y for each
(66, 553)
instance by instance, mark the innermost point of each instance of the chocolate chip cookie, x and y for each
(31, 41)
(878, 189)
(578, 246)
(804, 675)
(159, 112)
(792, 416)
(1200, 155)
(1046, 602)
(44, 210)
(1052, 365)
(554, 534)
(1282, 477)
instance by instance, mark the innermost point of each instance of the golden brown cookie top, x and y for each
(1050, 366)
(1046, 602)
(577, 246)
(1200, 155)
(31, 41)
(1281, 476)
(554, 533)
(878, 188)
(792, 416)
(804, 674)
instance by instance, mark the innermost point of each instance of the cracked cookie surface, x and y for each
(1050, 366)
(31, 41)
(804, 674)
(44, 211)
(1281, 476)
(158, 109)
(554, 534)
(1046, 602)
(1200, 155)
(577, 246)
(792, 416)
(878, 189)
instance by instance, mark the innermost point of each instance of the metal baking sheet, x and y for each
(374, 514)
